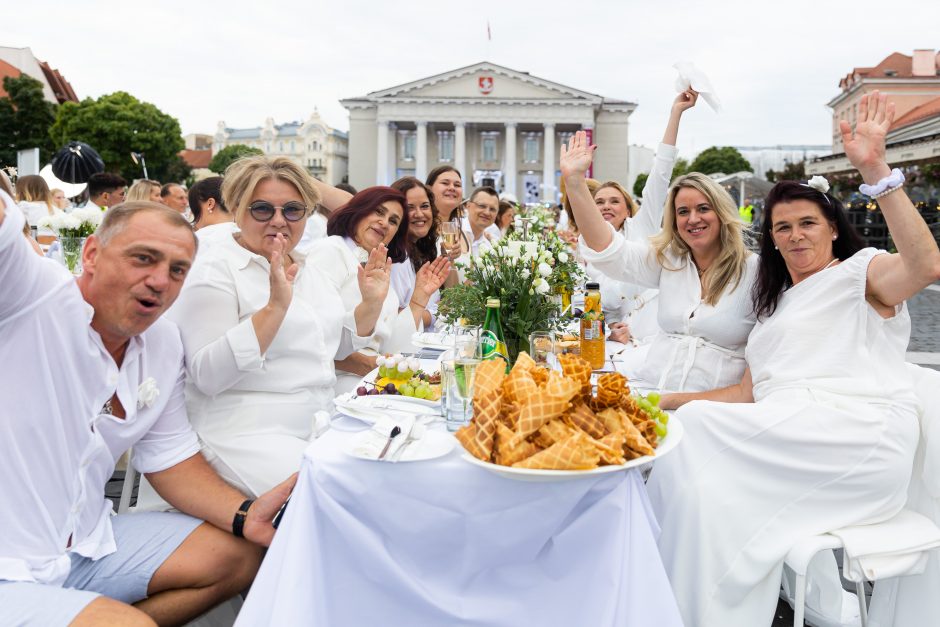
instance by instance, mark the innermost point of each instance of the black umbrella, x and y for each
(76, 163)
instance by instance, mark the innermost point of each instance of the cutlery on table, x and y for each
(395, 432)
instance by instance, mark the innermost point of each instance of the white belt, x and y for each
(691, 344)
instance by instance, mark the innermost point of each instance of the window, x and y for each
(488, 146)
(530, 148)
(292, 146)
(445, 145)
(409, 141)
(280, 146)
(565, 137)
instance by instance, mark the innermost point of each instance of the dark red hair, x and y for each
(345, 220)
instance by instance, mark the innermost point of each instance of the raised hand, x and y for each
(866, 147)
(281, 277)
(685, 101)
(375, 276)
(577, 156)
(430, 278)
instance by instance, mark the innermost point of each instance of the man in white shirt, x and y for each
(479, 224)
(91, 371)
(106, 189)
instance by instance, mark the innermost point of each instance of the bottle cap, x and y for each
(492, 302)
(592, 285)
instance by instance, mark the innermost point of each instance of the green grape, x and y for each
(660, 430)
(383, 372)
(653, 397)
(406, 390)
(422, 393)
(664, 418)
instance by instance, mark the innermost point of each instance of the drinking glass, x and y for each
(457, 375)
(450, 233)
(542, 348)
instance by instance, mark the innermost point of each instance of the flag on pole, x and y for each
(489, 35)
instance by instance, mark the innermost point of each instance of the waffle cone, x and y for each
(540, 375)
(477, 437)
(553, 431)
(575, 453)
(489, 376)
(574, 367)
(519, 385)
(509, 414)
(648, 429)
(635, 441)
(582, 417)
(610, 448)
(610, 389)
(524, 362)
(542, 406)
(613, 419)
(509, 450)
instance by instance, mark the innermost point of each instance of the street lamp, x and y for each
(138, 158)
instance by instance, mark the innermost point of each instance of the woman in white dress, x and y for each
(375, 216)
(699, 263)
(824, 428)
(261, 326)
(35, 201)
(423, 260)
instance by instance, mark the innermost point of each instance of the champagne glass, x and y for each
(450, 233)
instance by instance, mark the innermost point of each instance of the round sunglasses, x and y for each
(263, 211)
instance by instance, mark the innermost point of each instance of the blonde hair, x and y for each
(244, 175)
(142, 189)
(725, 273)
(631, 204)
(593, 186)
(33, 188)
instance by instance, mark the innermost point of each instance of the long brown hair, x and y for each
(425, 248)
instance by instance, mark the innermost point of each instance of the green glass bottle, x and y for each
(492, 340)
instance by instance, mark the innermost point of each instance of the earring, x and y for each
(834, 237)
(776, 248)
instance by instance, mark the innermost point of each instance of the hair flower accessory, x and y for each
(819, 183)
(147, 393)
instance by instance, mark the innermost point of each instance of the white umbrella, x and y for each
(71, 190)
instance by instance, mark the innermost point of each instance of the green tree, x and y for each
(791, 172)
(229, 155)
(116, 125)
(25, 118)
(639, 184)
(725, 159)
(679, 168)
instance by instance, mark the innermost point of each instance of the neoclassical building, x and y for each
(497, 126)
(312, 144)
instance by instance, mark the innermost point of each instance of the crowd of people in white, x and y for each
(207, 346)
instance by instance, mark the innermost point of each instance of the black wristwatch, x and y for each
(238, 523)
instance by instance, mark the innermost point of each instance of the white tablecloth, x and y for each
(445, 543)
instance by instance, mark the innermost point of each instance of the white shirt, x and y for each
(314, 230)
(34, 212)
(339, 257)
(703, 345)
(57, 451)
(214, 233)
(403, 284)
(483, 243)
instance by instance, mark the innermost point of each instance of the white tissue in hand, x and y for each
(691, 76)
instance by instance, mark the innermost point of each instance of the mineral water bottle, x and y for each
(492, 341)
(593, 344)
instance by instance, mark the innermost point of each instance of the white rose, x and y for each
(543, 288)
(525, 273)
(545, 269)
(563, 257)
(147, 393)
(514, 249)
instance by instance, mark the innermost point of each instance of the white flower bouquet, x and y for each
(72, 229)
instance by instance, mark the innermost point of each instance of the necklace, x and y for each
(828, 265)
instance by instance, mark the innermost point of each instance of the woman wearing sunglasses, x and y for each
(374, 218)
(262, 324)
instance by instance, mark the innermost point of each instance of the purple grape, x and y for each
(390, 388)
(373, 392)
(361, 390)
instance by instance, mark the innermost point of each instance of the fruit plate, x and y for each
(667, 444)
(432, 340)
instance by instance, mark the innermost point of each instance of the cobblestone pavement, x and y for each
(925, 322)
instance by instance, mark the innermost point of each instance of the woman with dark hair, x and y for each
(211, 219)
(416, 279)
(446, 186)
(372, 218)
(821, 432)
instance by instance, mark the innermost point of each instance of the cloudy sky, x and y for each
(774, 64)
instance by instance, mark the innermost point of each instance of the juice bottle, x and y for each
(492, 340)
(593, 344)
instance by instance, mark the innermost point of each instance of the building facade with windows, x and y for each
(495, 125)
(322, 150)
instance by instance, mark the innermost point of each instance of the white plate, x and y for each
(434, 444)
(530, 474)
(370, 408)
(433, 340)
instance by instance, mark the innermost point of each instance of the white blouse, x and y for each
(702, 346)
(403, 283)
(339, 258)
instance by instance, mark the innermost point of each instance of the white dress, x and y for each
(36, 211)
(829, 442)
(338, 258)
(701, 346)
(254, 412)
(403, 284)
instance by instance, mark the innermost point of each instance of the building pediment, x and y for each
(482, 81)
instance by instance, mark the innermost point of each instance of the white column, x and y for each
(548, 165)
(511, 159)
(381, 153)
(460, 153)
(421, 151)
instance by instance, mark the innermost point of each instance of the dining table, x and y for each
(443, 541)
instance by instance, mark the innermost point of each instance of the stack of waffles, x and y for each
(539, 418)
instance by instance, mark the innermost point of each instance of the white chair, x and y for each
(127, 488)
(898, 527)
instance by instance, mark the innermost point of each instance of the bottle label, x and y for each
(492, 347)
(592, 330)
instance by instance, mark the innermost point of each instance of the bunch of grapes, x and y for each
(418, 386)
(397, 366)
(650, 405)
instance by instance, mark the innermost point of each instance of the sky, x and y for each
(773, 64)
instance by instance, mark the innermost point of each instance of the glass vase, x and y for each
(72, 252)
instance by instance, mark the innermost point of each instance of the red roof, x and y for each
(6, 70)
(196, 158)
(923, 111)
(895, 65)
(60, 87)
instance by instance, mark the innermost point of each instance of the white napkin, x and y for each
(691, 76)
(369, 444)
(321, 424)
(898, 547)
